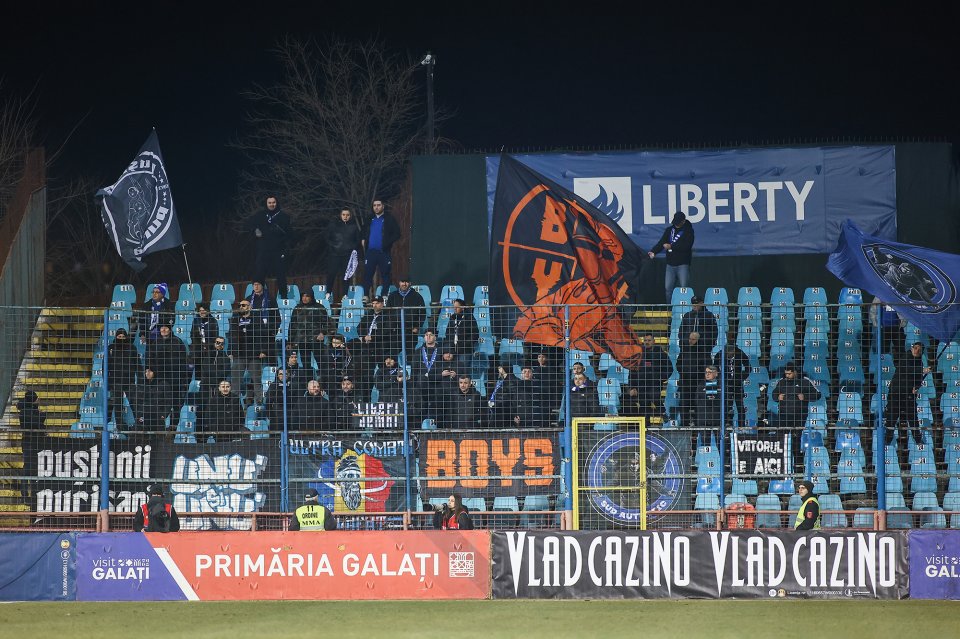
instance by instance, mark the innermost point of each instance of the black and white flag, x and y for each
(138, 210)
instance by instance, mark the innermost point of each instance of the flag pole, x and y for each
(193, 291)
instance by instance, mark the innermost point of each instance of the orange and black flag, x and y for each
(549, 249)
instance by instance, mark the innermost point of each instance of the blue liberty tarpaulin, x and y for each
(138, 210)
(38, 566)
(920, 283)
(741, 202)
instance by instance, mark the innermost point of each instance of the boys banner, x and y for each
(741, 202)
(716, 564)
(489, 462)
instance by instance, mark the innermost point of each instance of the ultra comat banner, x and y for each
(514, 463)
(285, 565)
(715, 564)
(353, 475)
(38, 566)
(740, 201)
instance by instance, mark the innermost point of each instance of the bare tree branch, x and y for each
(17, 129)
(336, 131)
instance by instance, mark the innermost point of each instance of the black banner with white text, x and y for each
(714, 565)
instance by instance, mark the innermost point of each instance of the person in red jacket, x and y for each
(453, 515)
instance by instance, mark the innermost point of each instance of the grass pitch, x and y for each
(685, 619)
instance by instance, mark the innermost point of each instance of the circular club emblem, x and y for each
(615, 462)
(912, 279)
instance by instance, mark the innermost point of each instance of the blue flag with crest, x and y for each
(138, 210)
(920, 283)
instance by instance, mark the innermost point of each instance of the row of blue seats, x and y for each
(933, 515)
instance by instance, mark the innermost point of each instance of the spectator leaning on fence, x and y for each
(312, 515)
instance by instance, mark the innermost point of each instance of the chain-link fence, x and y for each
(238, 404)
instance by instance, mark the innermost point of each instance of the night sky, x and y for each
(541, 77)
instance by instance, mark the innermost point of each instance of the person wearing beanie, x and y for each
(157, 311)
(312, 515)
(158, 514)
(808, 517)
(677, 241)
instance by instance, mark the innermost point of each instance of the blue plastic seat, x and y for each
(951, 504)
(818, 468)
(749, 341)
(850, 472)
(832, 520)
(781, 487)
(707, 502)
(850, 409)
(511, 351)
(125, 293)
(923, 474)
(814, 301)
(451, 292)
(768, 502)
(224, 292)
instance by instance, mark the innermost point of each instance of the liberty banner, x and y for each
(766, 201)
(660, 565)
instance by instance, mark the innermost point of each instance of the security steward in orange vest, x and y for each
(312, 515)
(808, 517)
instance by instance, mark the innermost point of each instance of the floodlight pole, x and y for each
(429, 61)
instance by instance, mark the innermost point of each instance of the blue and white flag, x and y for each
(138, 209)
(920, 283)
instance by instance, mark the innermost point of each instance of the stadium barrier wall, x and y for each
(917, 564)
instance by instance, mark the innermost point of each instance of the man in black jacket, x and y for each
(123, 364)
(212, 366)
(677, 241)
(273, 233)
(148, 318)
(463, 405)
(646, 383)
(382, 232)
(343, 241)
(167, 357)
(906, 382)
(220, 414)
(376, 340)
(251, 346)
(793, 393)
(736, 368)
(408, 301)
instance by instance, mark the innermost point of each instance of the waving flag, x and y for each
(920, 283)
(551, 248)
(138, 211)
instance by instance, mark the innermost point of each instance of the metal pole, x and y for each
(879, 435)
(285, 444)
(429, 61)
(104, 435)
(567, 419)
(406, 405)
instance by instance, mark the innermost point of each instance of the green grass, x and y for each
(686, 619)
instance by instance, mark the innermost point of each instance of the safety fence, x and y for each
(697, 414)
